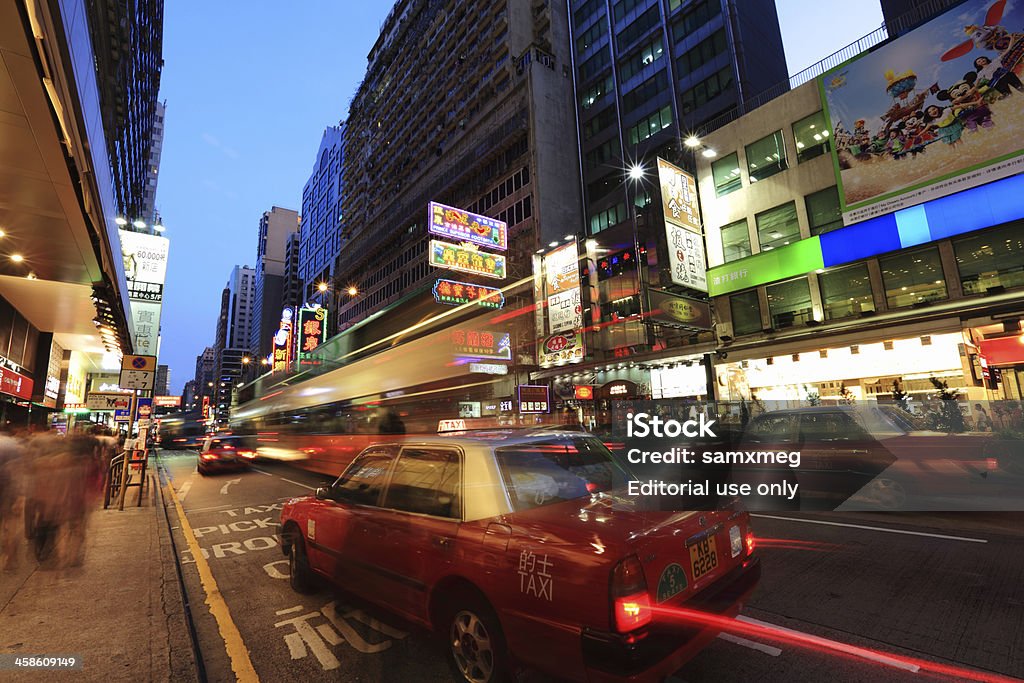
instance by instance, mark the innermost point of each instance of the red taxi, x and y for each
(524, 550)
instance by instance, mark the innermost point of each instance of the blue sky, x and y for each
(250, 87)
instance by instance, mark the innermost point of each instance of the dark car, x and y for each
(225, 453)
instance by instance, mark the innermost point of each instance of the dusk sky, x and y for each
(250, 87)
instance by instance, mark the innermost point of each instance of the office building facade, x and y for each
(275, 227)
(321, 226)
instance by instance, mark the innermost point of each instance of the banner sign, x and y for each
(15, 384)
(463, 226)
(481, 344)
(673, 310)
(584, 392)
(561, 348)
(686, 257)
(678, 196)
(282, 343)
(565, 311)
(457, 293)
(108, 401)
(930, 113)
(166, 401)
(533, 398)
(466, 259)
(312, 330)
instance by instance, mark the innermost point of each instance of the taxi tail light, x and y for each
(631, 605)
(247, 454)
(749, 541)
(208, 456)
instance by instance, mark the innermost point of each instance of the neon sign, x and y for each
(447, 221)
(466, 259)
(457, 293)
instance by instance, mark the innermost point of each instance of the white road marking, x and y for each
(224, 488)
(257, 469)
(183, 491)
(760, 647)
(311, 488)
(836, 645)
(290, 610)
(874, 528)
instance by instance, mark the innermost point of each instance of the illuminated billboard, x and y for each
(282, 343)
(562, 287)
(312, 330)
(463, 226)
(687, 262)
(930, 113)
(481, 344)
(466, 259)
(456, 293)
(145, 269)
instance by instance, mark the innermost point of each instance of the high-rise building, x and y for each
(128, 43)
(321, 227)
(162, 386)
(292, 292)
(232, 338)
(484, 124)
(647, 74)
(149, 212)
(902, 16)
(275, 227)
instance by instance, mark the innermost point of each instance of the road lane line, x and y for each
(237, 652)
(262, 471)
(184, 489)
(311, 488)
(760, 647)
(224, 488)
(852, 650)
(874, 528)
(290, 610)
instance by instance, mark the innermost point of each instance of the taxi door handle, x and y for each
(443, 542)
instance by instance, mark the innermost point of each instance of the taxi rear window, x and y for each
(548, 472)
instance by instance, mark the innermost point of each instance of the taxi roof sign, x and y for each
(141, 363)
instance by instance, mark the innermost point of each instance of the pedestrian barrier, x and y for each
(120, 479)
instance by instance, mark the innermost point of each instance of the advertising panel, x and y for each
(15, 384)
(466, 259)
(282, 346)
(145, 264)
(673, 310)
(686, 257)
(166, 401)
(456, 293)
(108, 401)
(481, 344)
(678, 196)
(463, 226)
(799, 258)
(533, 398)
(561, 348)
(930, 113)
(312, 330)
(146, 320)
(565, 311)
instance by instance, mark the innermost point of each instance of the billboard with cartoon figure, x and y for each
(934, 112)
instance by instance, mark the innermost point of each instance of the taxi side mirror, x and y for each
(323, 493)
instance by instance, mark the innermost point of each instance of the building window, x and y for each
(726, 173)
(645, 92)
(595, 64)
(705, 51)
(652, 125)
(596, 92)
(746, 312)
(777, 227)
(846, 292)
(913, 278)
(811, 135)
(638, 28)
(608, 218)
(705, 91)
(699, 14)
(735, 240)
(643, 58)
(993, 258)
(766, 157)
(597, 124)
(823, 212)
(789, 302)
(590, 36)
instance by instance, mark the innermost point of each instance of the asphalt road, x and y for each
(843, 598)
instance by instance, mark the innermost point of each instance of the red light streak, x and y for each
(794, 544)
(718, 622)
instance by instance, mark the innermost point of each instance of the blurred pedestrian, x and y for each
(982, 422)
(12, 484)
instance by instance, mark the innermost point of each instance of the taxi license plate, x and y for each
(703, 557)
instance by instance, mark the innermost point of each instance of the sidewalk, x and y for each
(121, 611)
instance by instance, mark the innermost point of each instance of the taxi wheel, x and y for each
(300, 575)
(476, 644)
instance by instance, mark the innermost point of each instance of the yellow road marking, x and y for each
(238, 653)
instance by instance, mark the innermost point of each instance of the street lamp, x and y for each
(322, 287)
(139, 223)
(352, 290)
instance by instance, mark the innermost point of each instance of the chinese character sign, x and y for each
(463, 226)
(458, 293)
(312, 330)
(469, 343)
(678, 196)
(281, 354)
(466, 260)
(562, 288)
(686, 257)
(534, 398)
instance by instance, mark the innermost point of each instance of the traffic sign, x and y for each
(137, 379)
(123, 415)
(143, 363)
